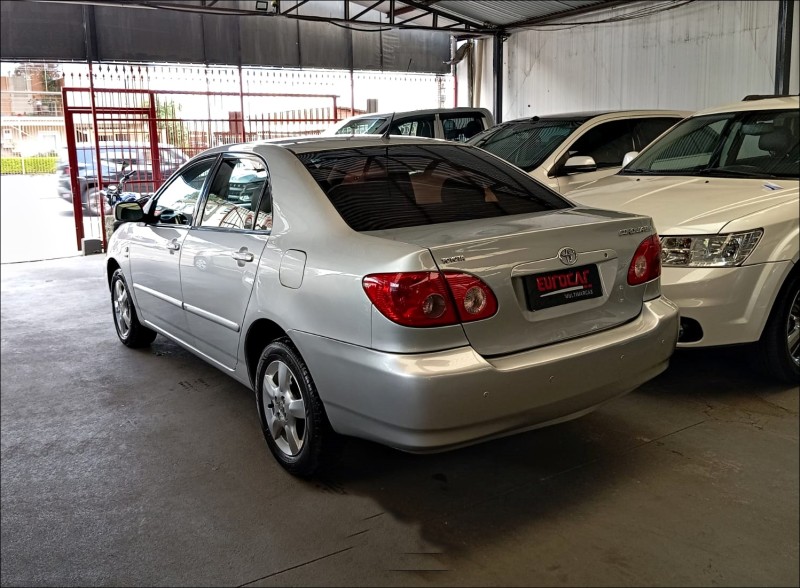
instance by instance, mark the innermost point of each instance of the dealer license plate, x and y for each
(562, 286)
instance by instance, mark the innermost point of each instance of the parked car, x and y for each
(722, 188)
(564, 151)
(115, 157)
(414, 292)
(452, 124)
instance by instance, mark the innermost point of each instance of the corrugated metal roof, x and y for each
(507, 12)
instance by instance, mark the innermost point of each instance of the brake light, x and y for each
(474, 299)
(411, 299)
(430, 299)
(646, 262)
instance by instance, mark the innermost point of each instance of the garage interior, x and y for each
(148, 467)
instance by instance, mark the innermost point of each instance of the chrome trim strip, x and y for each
(212, 317)
(159, 295)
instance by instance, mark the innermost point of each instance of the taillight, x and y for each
(412, 299)
(430, 299)
(646, 262)
(474, 299)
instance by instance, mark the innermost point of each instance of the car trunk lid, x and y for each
(556, 275)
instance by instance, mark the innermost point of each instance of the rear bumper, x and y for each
(441, 400)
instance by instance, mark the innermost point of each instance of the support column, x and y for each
(783, 52)
(497, 58)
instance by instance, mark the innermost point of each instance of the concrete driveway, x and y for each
(148, 467)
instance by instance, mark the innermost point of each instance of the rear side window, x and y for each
(415, 127)
(461, 127)
(378, 188)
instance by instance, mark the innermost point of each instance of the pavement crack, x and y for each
(300, 565)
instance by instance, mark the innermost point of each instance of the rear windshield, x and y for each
(377, 188)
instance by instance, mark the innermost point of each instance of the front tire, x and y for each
(293, 418)
(779, 345)
(130, 331)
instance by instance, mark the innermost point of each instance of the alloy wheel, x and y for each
(284, 408)
(793, 329)
(122, 309)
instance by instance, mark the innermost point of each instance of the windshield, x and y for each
(527, 143)
(754, 144)
(362, 126)
(378, 188)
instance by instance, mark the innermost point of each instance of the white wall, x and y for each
(703, 54)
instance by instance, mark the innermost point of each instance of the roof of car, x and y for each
(590, 114)
(399, 114)
(782, 103)
(324, 143)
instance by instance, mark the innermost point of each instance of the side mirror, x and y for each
(128, 212)
(629, 156)
(579, 164)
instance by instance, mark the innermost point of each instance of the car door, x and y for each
(607, 143)
(155, 250)
(221, 253)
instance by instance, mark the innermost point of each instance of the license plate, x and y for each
(562, 287)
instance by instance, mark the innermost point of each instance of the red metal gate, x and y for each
(111, 129)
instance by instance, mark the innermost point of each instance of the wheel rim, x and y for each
(122, 309)
(284, 408)
(793, 329)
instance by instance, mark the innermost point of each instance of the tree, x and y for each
(171, 128)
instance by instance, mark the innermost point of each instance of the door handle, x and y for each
(242, 255)
(173, 245)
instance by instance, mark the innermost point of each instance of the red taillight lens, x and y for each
(412, 299)
(425, 299)
(646, 262)
(474, 299)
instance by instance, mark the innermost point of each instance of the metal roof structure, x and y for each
(463, 18)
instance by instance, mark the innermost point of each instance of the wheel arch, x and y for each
(260, 334)
(111, 266)
(793, 274)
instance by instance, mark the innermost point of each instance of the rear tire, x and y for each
(130, 331)
(779, 346)
(292, 416)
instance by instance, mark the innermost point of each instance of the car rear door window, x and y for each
(235, 199)
(376, 188)
(461, 127)
(421, 126)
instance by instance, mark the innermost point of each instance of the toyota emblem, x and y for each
(567, 255)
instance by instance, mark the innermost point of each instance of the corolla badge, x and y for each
(567, 255)
(634, 230)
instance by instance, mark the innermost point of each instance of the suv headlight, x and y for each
(709, 250)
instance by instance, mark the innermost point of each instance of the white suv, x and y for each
(722, 188)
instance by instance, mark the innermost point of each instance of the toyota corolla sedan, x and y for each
(415, 292)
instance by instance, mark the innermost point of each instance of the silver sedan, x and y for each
(418, 293)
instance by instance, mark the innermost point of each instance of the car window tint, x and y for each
(646, 130)
(416, 127)
(461, 127)
(688, 146)
(176, 203)
(234, 195)
(376, 188)
(527, 143)
(607, 143)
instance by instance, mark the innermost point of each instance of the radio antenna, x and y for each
(388, 127)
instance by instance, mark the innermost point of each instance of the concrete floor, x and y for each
(148, 467)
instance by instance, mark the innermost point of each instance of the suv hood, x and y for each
(681, 205)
